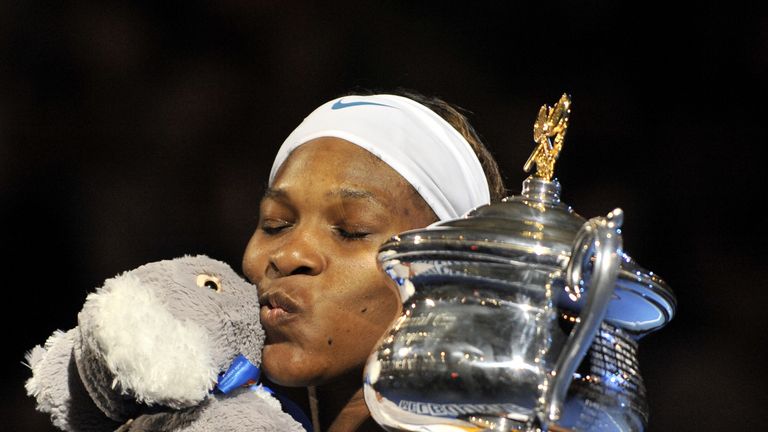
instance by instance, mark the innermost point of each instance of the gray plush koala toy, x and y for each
(154, 349)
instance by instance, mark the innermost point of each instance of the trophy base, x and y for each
(504, 424)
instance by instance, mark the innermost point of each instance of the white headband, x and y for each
(412, 139)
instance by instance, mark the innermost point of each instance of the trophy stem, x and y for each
(541, 191)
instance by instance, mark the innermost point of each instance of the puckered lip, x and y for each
(277, 310)
(276, 299)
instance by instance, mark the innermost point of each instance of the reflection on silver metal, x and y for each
(481, 343)
(520, 316)
(503, 326)
(603, 236)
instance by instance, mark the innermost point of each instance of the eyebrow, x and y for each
(348, 193)
(274, 193)
(344, 193)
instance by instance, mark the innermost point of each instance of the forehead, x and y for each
(331, 163)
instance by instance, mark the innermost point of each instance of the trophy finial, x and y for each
(549, 134)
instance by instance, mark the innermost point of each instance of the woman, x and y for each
(358, 170)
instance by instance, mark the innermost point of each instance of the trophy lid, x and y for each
(536, 227)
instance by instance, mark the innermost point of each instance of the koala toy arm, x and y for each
(244, 410)
(58, 389)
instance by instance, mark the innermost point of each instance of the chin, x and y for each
(291, 367)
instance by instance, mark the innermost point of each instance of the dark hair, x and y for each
(455, 117)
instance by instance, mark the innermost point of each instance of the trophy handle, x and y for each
(603, 236)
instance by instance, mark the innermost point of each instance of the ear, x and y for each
(56, 386)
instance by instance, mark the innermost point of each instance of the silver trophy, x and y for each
(520, 316)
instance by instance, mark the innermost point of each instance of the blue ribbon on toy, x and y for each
(244, 373)
(241, 372)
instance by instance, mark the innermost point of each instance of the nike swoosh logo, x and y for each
(339, 104)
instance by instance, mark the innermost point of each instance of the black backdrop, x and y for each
(134, 131)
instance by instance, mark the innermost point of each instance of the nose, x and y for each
(298, 254)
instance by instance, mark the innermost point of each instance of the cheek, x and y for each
(376, 299)
(380, 298)
(360, 280)
(255, 259)
(370, 303)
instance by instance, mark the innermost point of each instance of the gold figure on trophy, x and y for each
(549, 133)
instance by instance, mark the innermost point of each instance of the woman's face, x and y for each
(325, 302)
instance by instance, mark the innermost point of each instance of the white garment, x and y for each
(416, 142)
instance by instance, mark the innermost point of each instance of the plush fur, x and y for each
(148, 349)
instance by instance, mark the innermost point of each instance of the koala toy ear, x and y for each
(57, 388)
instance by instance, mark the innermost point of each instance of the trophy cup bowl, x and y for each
(521, 315)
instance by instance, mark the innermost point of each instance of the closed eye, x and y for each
(352, 234)
(273, 227)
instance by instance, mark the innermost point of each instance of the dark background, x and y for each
(135, 131)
